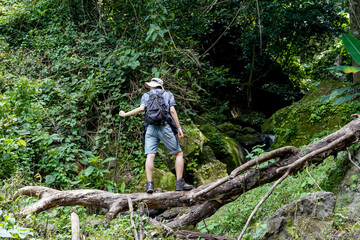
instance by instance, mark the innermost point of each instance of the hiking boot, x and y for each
(149, 187)
(181, 185)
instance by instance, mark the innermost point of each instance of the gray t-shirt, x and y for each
(168, 99)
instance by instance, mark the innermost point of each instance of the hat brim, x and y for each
(153, 84)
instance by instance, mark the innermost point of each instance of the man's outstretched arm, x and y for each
(132, 112)
(176, 120)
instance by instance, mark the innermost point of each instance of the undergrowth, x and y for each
(231, 218)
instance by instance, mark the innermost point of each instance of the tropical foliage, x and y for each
(352, 44)
(67, 68)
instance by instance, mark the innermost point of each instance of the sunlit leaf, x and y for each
(21, 143)
(89, 170)
(352, 44)
(345, 69)
(122, 187)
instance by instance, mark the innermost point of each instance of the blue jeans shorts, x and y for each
(155, 134)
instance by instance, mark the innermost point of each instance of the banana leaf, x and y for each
(352, 44)
(345, 69)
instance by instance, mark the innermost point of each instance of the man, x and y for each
(164, 133)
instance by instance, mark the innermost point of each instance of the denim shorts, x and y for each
(155, 134)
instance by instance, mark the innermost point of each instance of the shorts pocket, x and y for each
(168, 133)
(150, 131)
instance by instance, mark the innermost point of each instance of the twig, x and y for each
(141, 223)
(186, 99)
(197, 62)
(349, 156)
(313, 179)
(262, 201)
(211, 6)
(227, 28)
(131, 209)
(214, 125)
(260, 31)
(60, 73)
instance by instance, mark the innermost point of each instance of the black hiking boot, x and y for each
(149, 187)
(181, 185)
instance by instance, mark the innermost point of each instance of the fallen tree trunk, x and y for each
(207, 199)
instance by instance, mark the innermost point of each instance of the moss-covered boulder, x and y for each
(230, 130)
(322, 111)
(193, 140)
(211, 169)
(161, 178)
(191, 145)
(226, 149)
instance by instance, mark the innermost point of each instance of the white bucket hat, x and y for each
(155, 82)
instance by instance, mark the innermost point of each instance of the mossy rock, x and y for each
(191, 145)
(208, 130)
(211, 169)
(248, 130)
(322, 111)
(230, 130)
(230, 127)
(193, 140)
(161, 178)
(227, 150)
(210, 172)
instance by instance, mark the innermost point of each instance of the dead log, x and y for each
(207, 199)
(75, 225)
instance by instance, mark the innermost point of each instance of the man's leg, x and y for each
(149, 166)
(180, 183)
(179, 164)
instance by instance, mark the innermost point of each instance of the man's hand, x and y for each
(122, 113)
(180, 134)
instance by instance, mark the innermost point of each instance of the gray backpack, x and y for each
(156, 112)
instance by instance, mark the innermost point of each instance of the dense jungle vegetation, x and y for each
(67, 67)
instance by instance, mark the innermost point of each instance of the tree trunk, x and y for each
(206, 199)
(354, 9)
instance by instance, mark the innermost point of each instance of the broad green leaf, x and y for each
(352, 44)
(108, 159)
(50, 179)
(122, 187)
(89, 170)
(345, 69)
(345, 99)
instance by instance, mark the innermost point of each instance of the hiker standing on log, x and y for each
(161, 124)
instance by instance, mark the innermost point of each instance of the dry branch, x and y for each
(75, 225)
(207, 199)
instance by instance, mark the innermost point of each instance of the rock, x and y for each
(306, 218)
(321, 111)
(192, 144)
(230, 130)
(162, 179)
(226, 149)
(193, 140)
(349, 191)
(212, 169)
